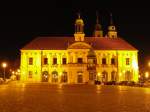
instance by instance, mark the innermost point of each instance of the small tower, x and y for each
(79, 29)
(98, 28)
(112, 33)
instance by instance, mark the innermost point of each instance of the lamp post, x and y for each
(4, 65)
(149, 64)
(146, 75)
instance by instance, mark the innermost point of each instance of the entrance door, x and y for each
(105, 76)
(45, 76)
(127, 76)
(54, 77)
(80, 78)
(64, 78)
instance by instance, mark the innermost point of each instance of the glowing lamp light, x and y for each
(149, 63)
(4, 65)
(146, 74)
(139, 76)
(18, 70)
(13, 72)
(99, 74)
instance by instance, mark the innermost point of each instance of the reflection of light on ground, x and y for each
(23, 85)
(147, 90)
(60, 88)
(98, 89)
(3, 87)
(122, 89)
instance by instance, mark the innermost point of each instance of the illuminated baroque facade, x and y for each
(80, 59)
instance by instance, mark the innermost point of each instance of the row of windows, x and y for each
(45, 61)
(79, 60)
(92, 76)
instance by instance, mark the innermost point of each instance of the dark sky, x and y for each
(24, 21)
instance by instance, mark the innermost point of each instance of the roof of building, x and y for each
(62, 43)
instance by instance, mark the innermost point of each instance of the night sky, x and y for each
(24, 21)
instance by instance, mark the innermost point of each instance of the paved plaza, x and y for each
(45, 97)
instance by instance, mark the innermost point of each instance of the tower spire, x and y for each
(111, 19)
(112, 33)
(97, 17)
(78, 15)
(98, 28)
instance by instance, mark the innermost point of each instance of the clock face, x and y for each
(113, 28)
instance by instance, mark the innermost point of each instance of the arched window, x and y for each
(45, 76)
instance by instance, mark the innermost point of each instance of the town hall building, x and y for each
(80, 59)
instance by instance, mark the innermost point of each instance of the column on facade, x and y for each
(135, 67)
(119, 62)
(38, 66)
(24, 62)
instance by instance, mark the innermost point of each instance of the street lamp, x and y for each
(146, 75)
(4, 65)
(149, 64)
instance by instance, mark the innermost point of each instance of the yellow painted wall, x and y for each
(73, 67)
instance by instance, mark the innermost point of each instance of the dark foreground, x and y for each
(43, 97)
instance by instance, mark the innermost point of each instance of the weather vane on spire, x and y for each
(111, 19)
(97, 17)
(78, 14)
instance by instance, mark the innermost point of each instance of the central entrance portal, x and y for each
(45, 76)
(54, 77)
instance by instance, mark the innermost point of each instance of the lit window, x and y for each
(45, 61)
(127, 61)
(54, 61)
(30, 74)
(112, 61)
(80, 60)
(30, 61)
(64, 61)
(104, 61)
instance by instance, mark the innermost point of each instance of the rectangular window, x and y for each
(104, 61)
(112, 61)
(30, 74)
(80, 60)
(64, 61)
(45, 61)
(54, 61)
(94, 61)
(127, 61)
(30, 61)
